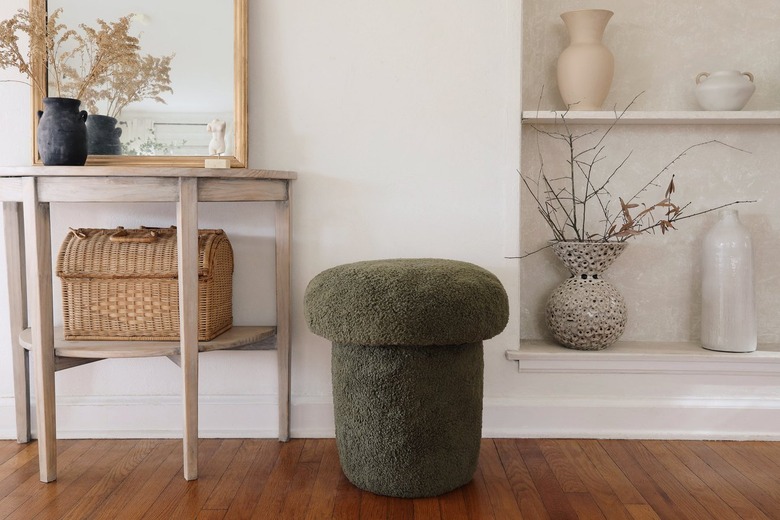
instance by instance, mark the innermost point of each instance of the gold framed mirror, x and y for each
(182, 153)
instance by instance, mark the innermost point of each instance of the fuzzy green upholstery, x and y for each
(406, 302)
(408, 419)
(407, 368)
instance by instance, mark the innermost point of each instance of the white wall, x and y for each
(402, 120)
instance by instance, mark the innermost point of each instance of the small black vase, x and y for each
(62, 132)
(103, 136)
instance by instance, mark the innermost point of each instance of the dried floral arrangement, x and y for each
(96, 64)
(567, 203)
(130, 80)
(44, 39)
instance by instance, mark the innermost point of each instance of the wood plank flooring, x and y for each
(532, 479)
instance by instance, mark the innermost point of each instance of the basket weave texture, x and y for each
(123, 284)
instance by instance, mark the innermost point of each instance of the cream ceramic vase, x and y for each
(586, 66)
(586, 312)
(724, 89)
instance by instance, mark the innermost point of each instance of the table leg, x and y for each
(283, 290)
(187, 237)
(37, 231)
(17, 309)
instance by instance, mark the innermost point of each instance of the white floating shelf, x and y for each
(636, 117)
(637, 357)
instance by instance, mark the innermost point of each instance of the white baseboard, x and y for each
(633, 418)
(234, 416)
(120, 417)
(640, 390)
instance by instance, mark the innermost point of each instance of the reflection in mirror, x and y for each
(205, 50)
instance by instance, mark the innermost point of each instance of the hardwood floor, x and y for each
(516, 479)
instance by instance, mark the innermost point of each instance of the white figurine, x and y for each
(217, 143)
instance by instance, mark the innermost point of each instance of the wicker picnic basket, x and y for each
(122, 284)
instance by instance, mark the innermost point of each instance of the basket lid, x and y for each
(133, 253)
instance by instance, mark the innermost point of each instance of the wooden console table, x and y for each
(26, 193)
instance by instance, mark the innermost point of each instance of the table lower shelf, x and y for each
(244, 338)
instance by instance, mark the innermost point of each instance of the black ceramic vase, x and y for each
(103, 136)
(62, 132)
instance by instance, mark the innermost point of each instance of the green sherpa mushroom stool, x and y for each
(407, 368)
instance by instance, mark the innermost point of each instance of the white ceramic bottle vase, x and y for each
(728, 310)
(586, 66)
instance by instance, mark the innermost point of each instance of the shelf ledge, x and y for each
(644, 357)
(638, 117)
(235, 338)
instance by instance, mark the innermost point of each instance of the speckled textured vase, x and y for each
(586, 312)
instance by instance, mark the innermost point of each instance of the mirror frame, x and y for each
(240, 84)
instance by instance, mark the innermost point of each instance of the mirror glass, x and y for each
(207, 78)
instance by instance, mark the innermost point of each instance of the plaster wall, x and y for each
(402, 120)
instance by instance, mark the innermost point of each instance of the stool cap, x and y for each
(420, 301)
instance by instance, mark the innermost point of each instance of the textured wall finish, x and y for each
(659, 274)
(660, 51)
(659, 48)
